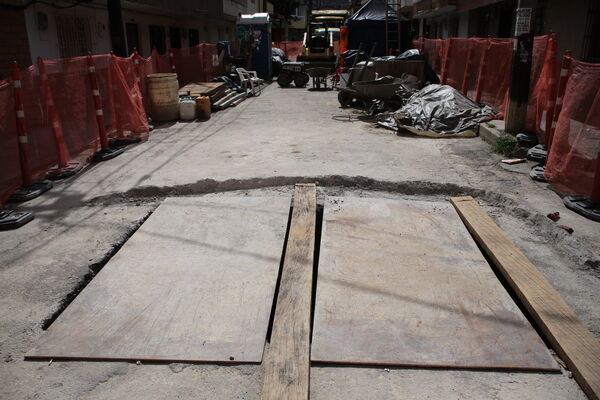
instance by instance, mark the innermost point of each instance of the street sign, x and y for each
(523, 24)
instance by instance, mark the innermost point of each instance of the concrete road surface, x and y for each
(263, 147)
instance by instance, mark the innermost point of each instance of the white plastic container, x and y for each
(187, 109)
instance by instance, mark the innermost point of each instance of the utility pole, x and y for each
(118, 39)
(518, 92)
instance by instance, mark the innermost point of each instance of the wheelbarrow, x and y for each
(383, 88)
(319, 76)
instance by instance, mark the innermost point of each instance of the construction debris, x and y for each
(438, 111)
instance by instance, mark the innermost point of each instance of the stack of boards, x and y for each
(399, 283)
(219, 93)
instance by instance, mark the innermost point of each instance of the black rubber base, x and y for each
(583, 206)
(527, 139)
(29, 192)
(537, 173)
(11, 219)
(62, 173)
(123, 142)
(108, 154)
(537, 153)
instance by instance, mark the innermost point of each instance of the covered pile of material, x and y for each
(438, 111)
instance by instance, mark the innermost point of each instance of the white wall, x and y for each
(235, 7)
(45, 43)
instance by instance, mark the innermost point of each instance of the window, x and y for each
(193, 37)
(591, 40)
(175, 37)
(133, 38)
(157, 38)
(74, 36)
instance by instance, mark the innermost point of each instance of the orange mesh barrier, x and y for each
(199, 63)
(573, 160)
(432, 51)
(543, 87)
(188, 64)
(212, 65)
(123, 93)
(10, 172)
(343, 46)
(291, 49)
(480, 68)
(71, 92)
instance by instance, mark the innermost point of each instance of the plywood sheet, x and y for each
(403, 283)
(194, 283)
(567, 334)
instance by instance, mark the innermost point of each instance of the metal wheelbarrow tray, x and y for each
(378, 89)
(318, 72)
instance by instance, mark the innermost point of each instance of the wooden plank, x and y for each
(569, 337)
(287, 360)
(403, 283)
(194, 283)
(202, 88)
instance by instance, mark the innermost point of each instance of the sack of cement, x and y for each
(438, 111)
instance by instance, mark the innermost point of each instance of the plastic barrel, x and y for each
(163, 96)
(203, 104)
(187, 109)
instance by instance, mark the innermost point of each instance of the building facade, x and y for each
(577, 22)
(67, 28)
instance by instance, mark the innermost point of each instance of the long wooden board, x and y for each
(569, 337)
(194, 283)
(203, 88)
(403, 283)
(287, 361)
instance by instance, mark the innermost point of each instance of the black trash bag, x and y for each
(350, 55)
(438, 111)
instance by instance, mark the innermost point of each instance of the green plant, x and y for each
(506, 145)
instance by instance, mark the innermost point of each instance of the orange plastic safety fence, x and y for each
(573, 158)
(432, 51)
(200, 63)
(343, 46)
(10, 170)
(69, 84)
(480, 68)
(291, 49)
(212, 64)
(543, 85)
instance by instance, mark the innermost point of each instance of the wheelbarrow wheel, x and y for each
(345, 98)
(301, 79)
(284, 79)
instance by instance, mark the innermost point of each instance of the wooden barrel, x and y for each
(163, 95)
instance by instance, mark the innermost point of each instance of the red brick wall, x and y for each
(14, 44)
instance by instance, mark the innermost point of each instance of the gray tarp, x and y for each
(438, 111)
